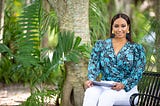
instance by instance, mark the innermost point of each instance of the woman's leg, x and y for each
(92, 95)
(124, 99)
(107, 98)
(112, 97)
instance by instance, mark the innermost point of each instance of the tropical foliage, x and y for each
(99, 20)
(24, 59)
(30, 63)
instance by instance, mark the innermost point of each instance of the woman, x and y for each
(120, 61)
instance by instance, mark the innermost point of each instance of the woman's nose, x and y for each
(119, 29)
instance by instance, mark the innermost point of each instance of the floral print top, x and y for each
(125, 67)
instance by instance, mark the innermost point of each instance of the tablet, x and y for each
(105, 84)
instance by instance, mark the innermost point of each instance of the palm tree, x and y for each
(1, 20)
(73, 17)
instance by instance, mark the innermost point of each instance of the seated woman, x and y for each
(120, 61)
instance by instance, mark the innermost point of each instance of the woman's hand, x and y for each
(88, 84)
(118, 86)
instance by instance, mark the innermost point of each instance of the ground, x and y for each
(14, 94)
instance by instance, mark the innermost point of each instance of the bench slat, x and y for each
(149, 90)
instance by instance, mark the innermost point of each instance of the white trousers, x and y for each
(105, 96)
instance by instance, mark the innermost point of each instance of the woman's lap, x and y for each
(105, 95)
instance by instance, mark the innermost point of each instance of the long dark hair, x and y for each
(125, 17)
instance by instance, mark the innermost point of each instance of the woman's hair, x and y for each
(125, 17)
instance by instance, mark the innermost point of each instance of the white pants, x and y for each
(105, 96)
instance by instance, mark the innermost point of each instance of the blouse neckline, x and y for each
(119, 50)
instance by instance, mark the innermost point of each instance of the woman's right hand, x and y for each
(88, 84)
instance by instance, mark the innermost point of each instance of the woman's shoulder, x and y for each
(102, 44)
(138, 47)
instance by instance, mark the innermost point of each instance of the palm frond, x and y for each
(99, 20)
(68, 48)
(28, 42)
(5, 49)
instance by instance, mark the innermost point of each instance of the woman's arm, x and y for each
(138, 68)
(94, 62)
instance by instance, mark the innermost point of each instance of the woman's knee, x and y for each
(91, 96)
(95, 90)
(107, 95)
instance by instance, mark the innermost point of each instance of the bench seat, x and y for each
(149, 90)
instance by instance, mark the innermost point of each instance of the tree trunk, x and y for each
(46, 7)
(124, 6)
(73, 89)
(73, 16)
(1, 21)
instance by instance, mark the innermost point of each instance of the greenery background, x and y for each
(25, 58)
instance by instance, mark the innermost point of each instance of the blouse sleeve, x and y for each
(94, 62)
(138, 68)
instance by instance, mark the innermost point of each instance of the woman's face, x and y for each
(120, 28)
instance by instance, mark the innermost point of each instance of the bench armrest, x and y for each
(133, 96)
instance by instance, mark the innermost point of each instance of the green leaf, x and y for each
(4, 48)
(77, 42)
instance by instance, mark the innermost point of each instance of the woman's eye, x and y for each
(123, 25)
(116, 26)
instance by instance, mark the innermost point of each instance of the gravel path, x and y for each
(13, 94)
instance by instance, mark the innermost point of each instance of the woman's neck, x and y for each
(120, 41)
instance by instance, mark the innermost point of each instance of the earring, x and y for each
(112, 35)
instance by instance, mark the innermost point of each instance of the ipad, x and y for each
(105, 84)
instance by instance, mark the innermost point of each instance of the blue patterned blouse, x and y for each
(125, 67)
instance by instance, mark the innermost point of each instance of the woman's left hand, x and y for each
(118, 86)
